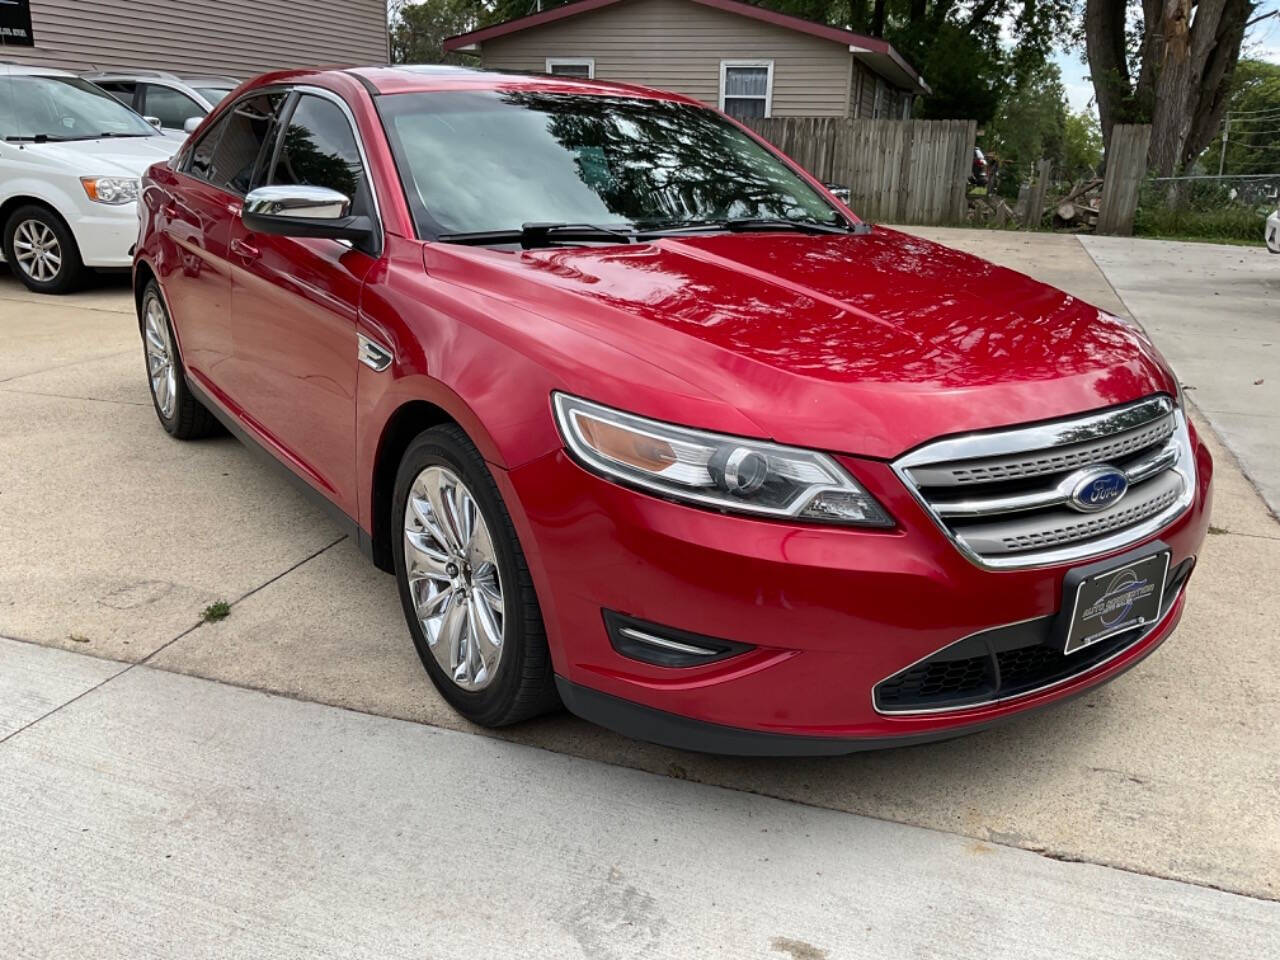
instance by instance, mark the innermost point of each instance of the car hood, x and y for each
(866, 344)
(107, 157)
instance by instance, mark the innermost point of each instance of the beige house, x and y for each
(744, 59)
(238, 38)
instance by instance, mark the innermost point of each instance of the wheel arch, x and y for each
(406, 422)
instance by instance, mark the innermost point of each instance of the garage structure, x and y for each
(237, 38)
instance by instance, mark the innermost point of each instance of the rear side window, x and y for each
(319, 149)
(228, 154)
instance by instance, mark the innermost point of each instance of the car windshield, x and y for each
(64, 108)
(491, 161)
(213, 94)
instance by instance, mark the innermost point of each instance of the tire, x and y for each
(181, 414)
(456, 583)
(34, 237)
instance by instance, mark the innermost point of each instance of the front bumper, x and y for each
(106, 234)
(830, 612)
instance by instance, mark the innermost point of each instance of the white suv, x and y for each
(71, 156)
(171, 100)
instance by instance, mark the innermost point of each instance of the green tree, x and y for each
(1029, 125)
(1253, 139)
(418, 30)
(1082, 146)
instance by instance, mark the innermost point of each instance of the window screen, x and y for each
(746, 91)
(572, 69)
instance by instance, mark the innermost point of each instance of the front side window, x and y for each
(746, 88)
(122, 90)
(64, 108)
(171, 107)
(492, 161)
(228, 154)
(319, 149)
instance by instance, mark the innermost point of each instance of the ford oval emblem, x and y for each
(1096, 488)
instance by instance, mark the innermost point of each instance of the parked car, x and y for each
(1272, 232)
(70, 159)
(978, 173)
(645, 421)
(170, 99)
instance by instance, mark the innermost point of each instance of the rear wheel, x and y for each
(180, 413)
(42, 251)
(465, 586)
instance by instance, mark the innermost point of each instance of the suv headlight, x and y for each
(112, 190)
(728, 473)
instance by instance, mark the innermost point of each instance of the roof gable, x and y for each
(855, 42)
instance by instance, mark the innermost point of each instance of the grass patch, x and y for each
(218, 610)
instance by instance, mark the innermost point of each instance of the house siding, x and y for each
(676, 45)
(239, 38)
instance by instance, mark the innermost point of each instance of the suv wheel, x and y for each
(465, 586)
(41, 251)
(181, 414)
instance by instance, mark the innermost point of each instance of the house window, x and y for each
(584, 67)
(746, 88)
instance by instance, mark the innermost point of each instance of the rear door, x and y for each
(295, 301)
(216, 174)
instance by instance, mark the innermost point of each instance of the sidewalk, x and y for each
(147, 814)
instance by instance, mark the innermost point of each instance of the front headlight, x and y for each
(728, 473)
(112, 190)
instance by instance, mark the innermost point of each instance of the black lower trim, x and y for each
(639, 722)
(340, 517)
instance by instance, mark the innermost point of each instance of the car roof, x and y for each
(425, 78)
(31, 70)
(202, 80)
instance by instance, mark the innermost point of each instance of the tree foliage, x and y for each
(1253, 141)
(418, 30)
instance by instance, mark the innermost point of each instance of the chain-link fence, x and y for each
(1230, 208)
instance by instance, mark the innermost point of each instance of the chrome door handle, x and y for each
(245, 250)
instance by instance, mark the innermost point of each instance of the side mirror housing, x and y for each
(189, 125)
(304, 211)
(154, 121)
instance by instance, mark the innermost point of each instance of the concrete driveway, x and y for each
(114, 537)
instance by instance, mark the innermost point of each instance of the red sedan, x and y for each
(647, 423)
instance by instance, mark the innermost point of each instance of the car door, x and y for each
(213, 179)
(295, 301)
(171, 107)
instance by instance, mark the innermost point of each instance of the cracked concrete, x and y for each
(115, 534)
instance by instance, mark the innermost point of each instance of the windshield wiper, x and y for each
(757, 224)
(37, 138)
(532, 235)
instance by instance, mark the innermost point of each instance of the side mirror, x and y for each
(189, 125)
(154, 121)
(840, 191)
(304, 211)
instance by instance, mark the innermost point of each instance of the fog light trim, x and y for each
(666, 646)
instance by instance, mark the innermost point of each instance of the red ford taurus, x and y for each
(647, 423)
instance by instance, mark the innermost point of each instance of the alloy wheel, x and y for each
(37, 250)
(453, 576)
(164, 378)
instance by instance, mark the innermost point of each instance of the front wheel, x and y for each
(465, 586)
(42, 251)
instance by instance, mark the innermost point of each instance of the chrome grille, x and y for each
(1006, 497)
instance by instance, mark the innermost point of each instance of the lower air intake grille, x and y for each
(1003, 663)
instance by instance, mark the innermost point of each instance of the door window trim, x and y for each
(182, 160)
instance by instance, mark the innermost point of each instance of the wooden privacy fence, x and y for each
(897, 171)
(1126, 168)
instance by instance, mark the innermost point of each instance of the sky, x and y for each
(1262, 42)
